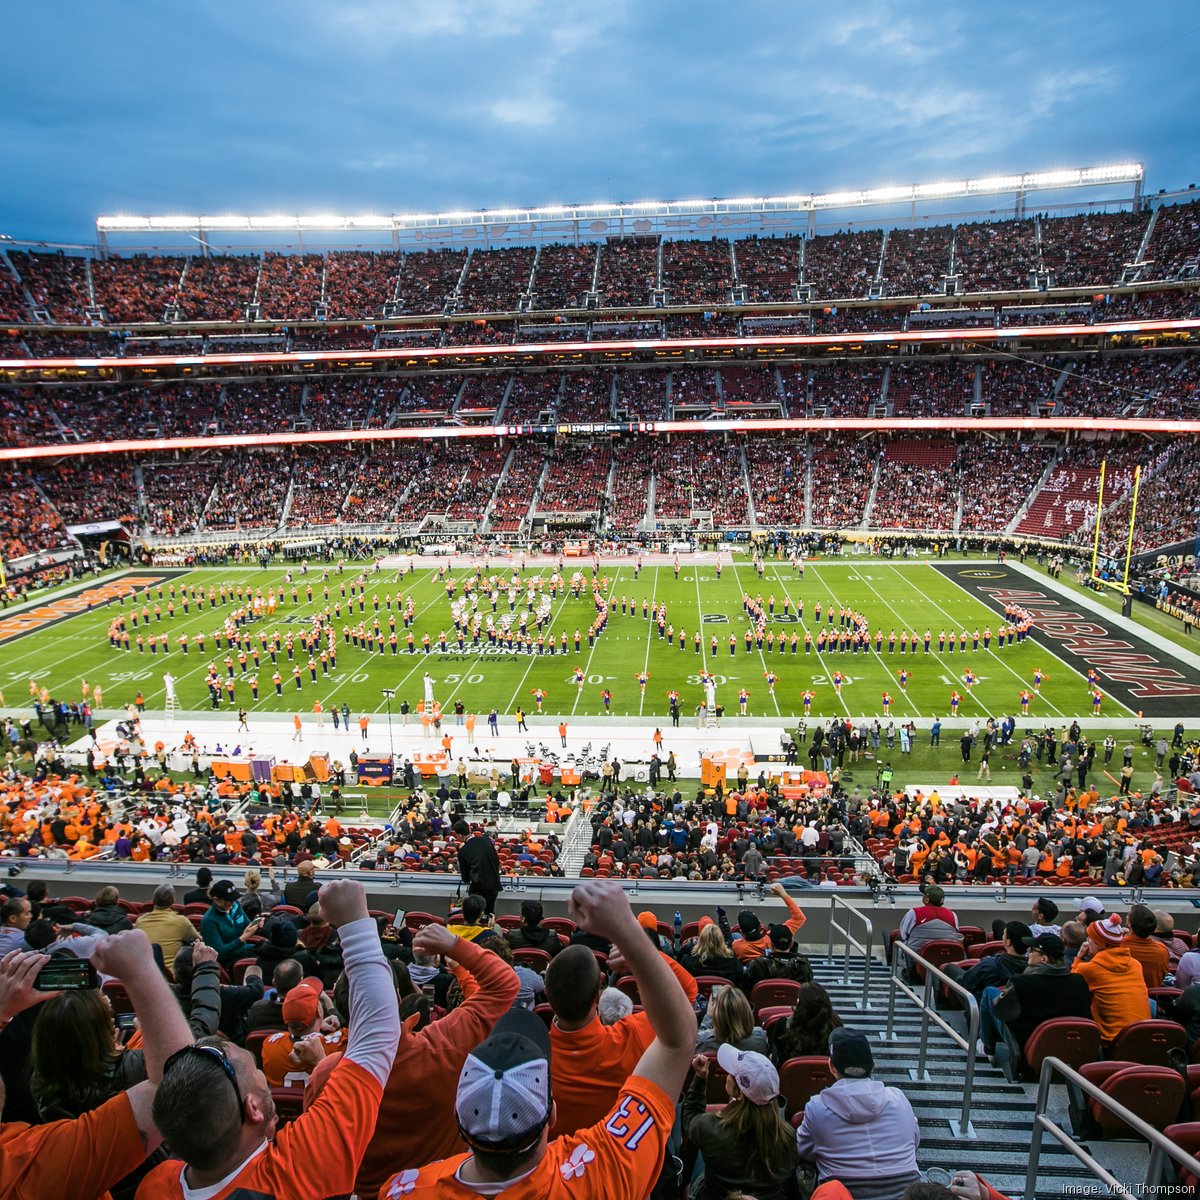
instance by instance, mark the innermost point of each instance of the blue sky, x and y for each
(412, 105)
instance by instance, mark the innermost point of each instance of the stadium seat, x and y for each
(984, 949)
(289, 1103)
(118, 997)
(774, 992)
(254, 1042)
(546, 1012)
(939, 953)
(560, 925)
(1186, 1135)
(1153, 1093)
(973, 935)
(773, 1014)
(418, 920)
(530, 956)
(628, 985)
(706, 983)
(241, 967)
(1147, 1042)
(290, 910)
(1075, 1040)
(508, 922)
(800, 1079)
(689, 931)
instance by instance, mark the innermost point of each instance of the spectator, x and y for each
(1045, 914)
(83, 1158)
(614, 1005)
(729, 1020)
(1164, 932)
(479, 865)
(283, 1062)
(591, 1061)
(267, 1013)
(995, 970)
(1046, 989)
(710, 954)
(755, 939)
(108, 915)
(474, 923)
(747, 1146)
(509, 1141)
(166, 929)
(415, 1125)
(15, 915)
(300, 891)
(531, 985)
(929, 922)
(225, 927)
(1153, 956)
(199, 894)
(532, 933)
(1090, 909)
(227, 1003)
(215, 1107)
(811, 1025)
(266, 898)
(858, 1131)
(1074, 937)
(1114, 977)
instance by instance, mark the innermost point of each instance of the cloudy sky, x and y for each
(412, 105)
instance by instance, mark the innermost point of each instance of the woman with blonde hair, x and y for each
(729, 1021)
(253, 891)
(748, 1146)
(710, 955)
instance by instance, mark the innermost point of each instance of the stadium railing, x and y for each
(1161, 1147)
(865, 947)
(904, 957)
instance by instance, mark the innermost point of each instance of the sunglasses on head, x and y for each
(213, 1055)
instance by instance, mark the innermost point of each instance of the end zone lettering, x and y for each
(68, 606)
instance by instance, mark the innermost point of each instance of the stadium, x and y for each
(399, 602)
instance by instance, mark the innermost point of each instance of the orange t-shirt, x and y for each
(620, 1154)
(588, 1066)
(78, 1158)
(312, 1158)
(276, 1049)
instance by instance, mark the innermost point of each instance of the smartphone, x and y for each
(65, 975)
(398, 919)
(125, 1021)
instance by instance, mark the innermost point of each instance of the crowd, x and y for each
(1091, 247)
(842, 473)
(428, 279)
(359, 283)
(985, 505)
(563, 276)
(768, 267)
(916, 260)
(642, 395)
(930, 389)
(694, 476)
(697, 272)
(918, 486)
(515, 493)
(333, 403)
(218, 287)
(629, 499)
(265, 406)
(777, 469)
(628, 271)
(496, 280)
(842, 265)
(576, 479)
(28, 523)
(995, 256)
(137, 289)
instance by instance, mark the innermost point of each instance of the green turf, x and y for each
(900, 595)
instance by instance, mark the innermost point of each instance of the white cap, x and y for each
(754, 1074)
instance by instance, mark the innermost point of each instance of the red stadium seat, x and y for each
(774, 992)
(289, 1103)
(1147, 1042)
(1075, 1040)
(418, 920)
(706, 983)
(508, 922)
(560, 925)
(254, 1042)
(984, 949)
(1153, 1093)
(800, 1079)
(532, 957)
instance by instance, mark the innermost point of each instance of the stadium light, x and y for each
(1112, 173)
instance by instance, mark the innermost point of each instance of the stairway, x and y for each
(1023, 511)
(869, 508)
(1001, 1112)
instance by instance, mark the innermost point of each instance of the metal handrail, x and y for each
(1161, 1147)
(865, 947)
(901, 953)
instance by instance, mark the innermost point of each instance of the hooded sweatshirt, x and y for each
(863, 1133)
(1118, 987)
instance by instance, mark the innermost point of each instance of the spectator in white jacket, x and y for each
(858, 1131)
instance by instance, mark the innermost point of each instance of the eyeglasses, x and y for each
(213, 1055)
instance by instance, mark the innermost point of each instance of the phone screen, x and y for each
(66, 974)
(398, 919)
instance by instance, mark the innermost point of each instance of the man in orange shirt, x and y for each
(504, 1106)
(416, 1124)
(283, 1064)
(215, 1108)
(1149, 952)
(756, 937)
(83, 1158)
(1114, 976)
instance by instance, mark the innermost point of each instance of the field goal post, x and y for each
(1121, 587)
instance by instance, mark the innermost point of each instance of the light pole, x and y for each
(388, 694)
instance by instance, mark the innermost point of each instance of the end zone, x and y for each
(1138, 674)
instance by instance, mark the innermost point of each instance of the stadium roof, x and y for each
(645, 216)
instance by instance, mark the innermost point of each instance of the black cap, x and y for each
(224, 889)
(749, 923)
(850, 1053)
(1048, 943)
(781, 937)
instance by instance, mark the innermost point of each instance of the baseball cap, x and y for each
(503, 1100)
(1091, 904)
(647, 920)
(1017, 932)
(749, 923)
(1049, 945)
(754, 1073)
(224, 889)
(850, 1053)
(781, 937)
(302, 1003)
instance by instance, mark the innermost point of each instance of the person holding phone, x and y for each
(225, 927)
(85, 1157)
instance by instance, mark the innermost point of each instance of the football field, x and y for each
(63, 641)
